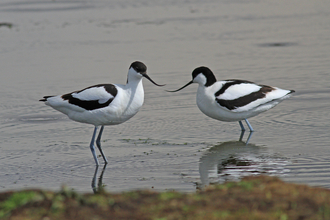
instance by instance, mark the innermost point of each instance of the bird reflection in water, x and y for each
(242, 135)
(235, 159)
(100, 187)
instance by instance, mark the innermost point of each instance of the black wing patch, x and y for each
(244, 100)
(91, 104)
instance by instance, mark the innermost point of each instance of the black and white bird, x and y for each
(104, 104)
(233, 100)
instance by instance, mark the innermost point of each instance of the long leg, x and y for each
(249, 125)
(241, 124)
(94, 179)
(93, 148)
(98, 144)
(99, 187)
(242, 135)
(248, 139)
(99, 184)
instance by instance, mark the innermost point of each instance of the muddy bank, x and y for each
(260, 197)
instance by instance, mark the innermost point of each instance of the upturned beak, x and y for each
(181, 87)
(146, 76)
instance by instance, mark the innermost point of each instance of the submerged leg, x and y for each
(248, 139)
(94, 179)
(241, 124)
(249, 125)
(98, 144)
(93, 148)
(100, 186)
(242, 135)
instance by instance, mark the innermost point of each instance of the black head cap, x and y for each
(142, 69)
(139, 67)
(210, 78)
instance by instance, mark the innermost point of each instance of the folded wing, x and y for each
(241, 96)
(94, 97)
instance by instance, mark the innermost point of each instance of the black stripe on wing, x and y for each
(230, 83)
(91, 104)
(244, 100)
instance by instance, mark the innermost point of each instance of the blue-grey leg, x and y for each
(93, 148)
(248, 124)
(248, 139)
(241, 136)
(98, 144)
(94, 179)
(241, 124)
(99, 187)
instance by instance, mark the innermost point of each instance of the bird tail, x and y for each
(45, 98)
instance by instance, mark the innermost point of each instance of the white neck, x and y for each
(134, 84)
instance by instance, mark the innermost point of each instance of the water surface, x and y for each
(55, 47)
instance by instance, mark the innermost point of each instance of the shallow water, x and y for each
(55, 47)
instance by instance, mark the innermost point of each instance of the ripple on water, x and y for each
(311, 170)
(48, 171)
(278, 44)
(43, 6)
(40, 118)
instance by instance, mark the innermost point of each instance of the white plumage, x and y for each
(104, 104)
(94, 93)
(233, 100)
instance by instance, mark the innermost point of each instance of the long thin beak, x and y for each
(146, 76)
(181, 87)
